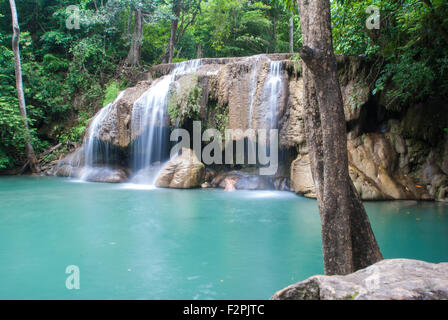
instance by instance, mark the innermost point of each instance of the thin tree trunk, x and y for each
(291, 34)
(33, 164)
(199, 51)
(173, 34)
(135, 51)
(347, 238)
(274, 32)
(128, 31)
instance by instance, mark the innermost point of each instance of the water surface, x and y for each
(141, 243)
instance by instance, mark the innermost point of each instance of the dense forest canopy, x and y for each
(69, 73)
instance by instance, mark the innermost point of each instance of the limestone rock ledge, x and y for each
(398, 279)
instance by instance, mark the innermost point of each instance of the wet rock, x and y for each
(302, 178)
(116, 126)
(67, 171)
(104, 175)
(210, 174)
(282, 184)
(206, 185)
(237, 180)
(184, 171)
(399, 279)
(70, 165)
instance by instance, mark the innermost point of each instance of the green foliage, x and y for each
(185, 105)
(112, 90)
(242, 27)
(410, 46)
(68, 74)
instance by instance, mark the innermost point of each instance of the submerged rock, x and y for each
(184, 171)
(399, 279)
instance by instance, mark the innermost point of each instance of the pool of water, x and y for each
(131, 242)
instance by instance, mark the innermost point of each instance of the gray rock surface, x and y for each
(398, 279)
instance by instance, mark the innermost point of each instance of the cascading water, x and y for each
(97, 154)
(149, 129)
(273, 91)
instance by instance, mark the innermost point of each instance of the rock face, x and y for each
(391, 155)
(116, 127)
(184, 171)
(387, 280)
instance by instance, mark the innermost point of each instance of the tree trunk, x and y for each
(31, 157)
(347, 238)
(135, 51)
(199, 51)
(274, 32)
(291, 34)
(169, 53)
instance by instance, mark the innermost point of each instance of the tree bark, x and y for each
(135, 51)
(348, 241)
(291, 34)
(32, 160)
(199, 51)
(274, 32)
(169, 53)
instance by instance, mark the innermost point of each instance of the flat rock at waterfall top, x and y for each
(399, 279)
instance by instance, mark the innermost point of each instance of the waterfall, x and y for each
(273, 91)
(98, 152)
(149, 127)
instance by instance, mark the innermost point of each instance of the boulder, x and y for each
(184, 171)
(302, 178)
(67, 171)
(399, 279)
(70, 165)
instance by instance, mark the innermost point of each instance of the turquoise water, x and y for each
(132, 243)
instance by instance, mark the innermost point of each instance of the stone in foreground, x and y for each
(399, 279)
(184, 171)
